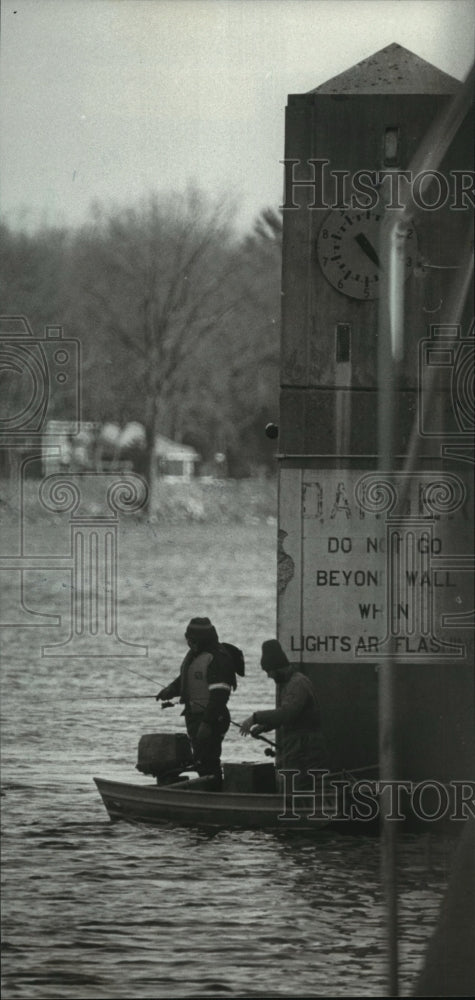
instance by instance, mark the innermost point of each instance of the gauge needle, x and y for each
(367, 248)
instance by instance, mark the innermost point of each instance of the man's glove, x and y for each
(162, 695)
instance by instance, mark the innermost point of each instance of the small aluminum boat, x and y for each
(197, 802)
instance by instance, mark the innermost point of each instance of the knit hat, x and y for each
(273, 656)
(201, 632)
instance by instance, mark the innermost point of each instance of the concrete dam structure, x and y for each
(376, 562)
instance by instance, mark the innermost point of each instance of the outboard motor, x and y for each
(164, 756)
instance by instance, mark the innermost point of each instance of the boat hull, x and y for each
(186, 805)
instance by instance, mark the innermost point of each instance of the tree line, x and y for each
(178, 319)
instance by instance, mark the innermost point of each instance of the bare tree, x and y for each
(155, 285)
(178, 317)
(254, 364)
(31, 286)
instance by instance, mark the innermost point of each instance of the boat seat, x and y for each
(249, 777)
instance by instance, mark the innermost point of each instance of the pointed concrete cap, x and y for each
(392, 70)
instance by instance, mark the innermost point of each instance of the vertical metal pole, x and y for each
(389, 353)
(389, 828)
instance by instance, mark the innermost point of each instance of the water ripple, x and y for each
(94, 910)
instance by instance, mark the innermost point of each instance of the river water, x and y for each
(93, 909)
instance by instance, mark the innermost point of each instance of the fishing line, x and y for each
(171, 704)
(145, 677)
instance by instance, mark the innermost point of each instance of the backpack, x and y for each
(236, 656)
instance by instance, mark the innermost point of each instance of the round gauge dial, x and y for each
(348, 252)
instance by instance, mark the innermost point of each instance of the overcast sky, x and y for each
(110, 99)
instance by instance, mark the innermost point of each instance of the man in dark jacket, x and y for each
(301, 744)
(204, 685)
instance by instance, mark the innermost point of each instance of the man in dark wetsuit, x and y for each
(301, 744)
(204, 685)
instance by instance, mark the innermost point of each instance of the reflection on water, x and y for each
(93, 909)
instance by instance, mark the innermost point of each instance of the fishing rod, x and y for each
(171, 704)
(122, 697)
(145, 677)
(257, 736)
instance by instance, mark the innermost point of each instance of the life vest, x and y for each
(195, 686)
(197, 680)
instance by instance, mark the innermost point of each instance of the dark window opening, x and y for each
(343, 342)
(391, 146)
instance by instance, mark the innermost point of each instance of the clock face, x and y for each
(348, 252)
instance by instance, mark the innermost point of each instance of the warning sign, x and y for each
(368, 566)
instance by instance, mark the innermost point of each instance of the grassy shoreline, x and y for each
(234, 501)
(204, 501)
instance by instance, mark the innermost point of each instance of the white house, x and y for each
(175, 460)
(107, 448)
